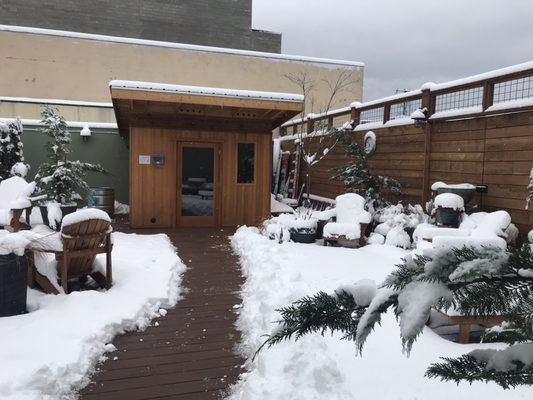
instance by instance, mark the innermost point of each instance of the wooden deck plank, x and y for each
(189, 353)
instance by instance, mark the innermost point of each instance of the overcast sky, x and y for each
(404, 43)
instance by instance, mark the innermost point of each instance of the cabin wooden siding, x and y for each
(153, 189)
(495, 150)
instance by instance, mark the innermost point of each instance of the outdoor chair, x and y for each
(15, 201)
(351, 222)
(83, 235)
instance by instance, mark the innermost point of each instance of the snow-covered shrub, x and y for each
(11, 150)
(61, 180)
(398, 237)
(357, 178)
(396, 219)
(279, 227)
(375, 238)
(20, 169)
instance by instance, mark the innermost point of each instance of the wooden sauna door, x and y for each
(198, 192)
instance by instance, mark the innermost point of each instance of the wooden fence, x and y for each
(478, 130)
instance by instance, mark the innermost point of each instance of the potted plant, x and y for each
(60, 181)
(448, 208)
(303, 227)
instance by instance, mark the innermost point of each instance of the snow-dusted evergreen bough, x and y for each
(480, 281)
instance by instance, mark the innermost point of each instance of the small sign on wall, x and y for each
(144, 160)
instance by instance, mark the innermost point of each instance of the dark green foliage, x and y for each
(357, 177)
(467, 368)
(11, 147)
(318, 313)
(60, 179)
(481, 281)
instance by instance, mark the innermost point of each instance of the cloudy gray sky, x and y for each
(404, 43)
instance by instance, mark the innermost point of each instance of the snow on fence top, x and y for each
(180, 46)
(490, 92)
(206, 91)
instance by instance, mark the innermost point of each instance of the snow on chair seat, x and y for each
(352, 218)
(15, 195)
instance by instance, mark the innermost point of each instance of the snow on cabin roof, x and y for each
(180, 46)
(206, 91)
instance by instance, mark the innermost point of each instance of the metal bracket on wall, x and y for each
(482, 188)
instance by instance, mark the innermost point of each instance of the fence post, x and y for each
(386, 113)
(488, 94)
(355, 116)
(428, 102)
(310, 125)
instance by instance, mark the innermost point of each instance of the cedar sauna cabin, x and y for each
(199, 157)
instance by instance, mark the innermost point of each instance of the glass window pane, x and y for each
(197, 190)
(245, 166)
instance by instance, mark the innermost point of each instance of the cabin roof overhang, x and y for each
(154, 104)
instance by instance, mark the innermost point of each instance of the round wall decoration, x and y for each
(369, 143)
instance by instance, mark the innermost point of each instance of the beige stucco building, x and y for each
(72, 71)
(40, 64)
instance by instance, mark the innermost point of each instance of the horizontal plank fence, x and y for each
(477, 130)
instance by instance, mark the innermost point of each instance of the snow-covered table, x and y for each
(465, 322)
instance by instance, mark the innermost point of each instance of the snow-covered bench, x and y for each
(351, 221)
(478, 229)
(15, 198)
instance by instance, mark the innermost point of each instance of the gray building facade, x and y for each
(220, 23)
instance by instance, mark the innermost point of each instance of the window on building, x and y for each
(245, 162)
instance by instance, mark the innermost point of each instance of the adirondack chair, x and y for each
(14, 202)
(352, 219)
(83, 235)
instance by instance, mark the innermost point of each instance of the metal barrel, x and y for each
(103, 198)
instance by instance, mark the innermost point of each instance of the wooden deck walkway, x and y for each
(190, 354)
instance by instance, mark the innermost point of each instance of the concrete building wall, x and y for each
(222, 23)
(78, 67)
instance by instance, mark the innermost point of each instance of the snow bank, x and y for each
(316, 367)
(50, 351)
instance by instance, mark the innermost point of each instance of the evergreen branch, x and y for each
(469, 369)
(318, 313)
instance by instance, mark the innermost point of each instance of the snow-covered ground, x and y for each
(48, 352)
(318, 367)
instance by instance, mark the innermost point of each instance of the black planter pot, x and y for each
(65, 210)
(303, 236)
(447, 217)
(13, 284)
